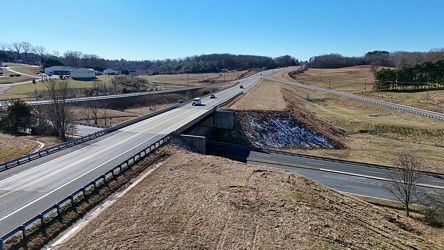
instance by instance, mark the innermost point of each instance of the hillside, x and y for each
(193, 201)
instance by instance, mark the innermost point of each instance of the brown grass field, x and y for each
(388, 131)
(359, 80)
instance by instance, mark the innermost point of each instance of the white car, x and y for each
(196, 101)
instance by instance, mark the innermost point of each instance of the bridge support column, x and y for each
(199, 142)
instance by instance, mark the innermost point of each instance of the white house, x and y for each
(132, 73)
(59, 70)
(111, 72)
(83, 74)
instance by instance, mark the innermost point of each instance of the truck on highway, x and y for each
(196, 101)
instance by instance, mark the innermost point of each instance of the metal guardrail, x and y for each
(56, 210)
(104, 97)
(47, 151)
(417, 111)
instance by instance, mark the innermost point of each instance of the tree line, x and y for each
(376, 59)
(426, 75)
(38, 55)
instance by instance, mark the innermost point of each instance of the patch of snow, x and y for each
(280, 131)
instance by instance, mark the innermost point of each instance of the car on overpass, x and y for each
(196, 101)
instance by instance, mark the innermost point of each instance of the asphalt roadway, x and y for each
(348, 177)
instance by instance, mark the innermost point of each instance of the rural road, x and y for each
(4, 87)
(427, 113)
(29, 189)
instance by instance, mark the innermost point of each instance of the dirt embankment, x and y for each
(195, 201)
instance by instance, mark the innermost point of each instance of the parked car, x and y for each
(212, 96)
(241, 87)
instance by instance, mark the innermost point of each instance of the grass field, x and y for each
(183, 80)
(373, 133)
(27, 91)
(15, 146)
(22, 68)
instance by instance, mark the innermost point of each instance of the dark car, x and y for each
(241, 87)
(212, 96)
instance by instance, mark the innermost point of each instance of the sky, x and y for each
(175, 29)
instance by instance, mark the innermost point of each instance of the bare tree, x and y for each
(104, 106)
(40, 51)
(61, 113)
(92, 109)
(3, 46)
(17, 47)
(404, 178)
(41, 125)
(72, 58)
(27, 47)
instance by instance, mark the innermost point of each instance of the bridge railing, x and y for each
(56, 210)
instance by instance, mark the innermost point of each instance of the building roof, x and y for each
(81, 70)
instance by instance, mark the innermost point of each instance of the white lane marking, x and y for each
(314, 163)
(442, 182)
(1, 219)
(58, 158)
